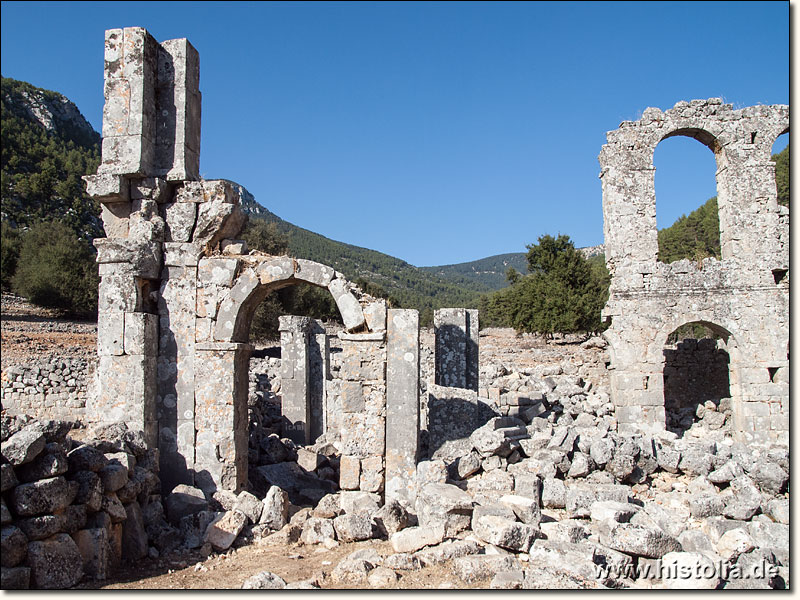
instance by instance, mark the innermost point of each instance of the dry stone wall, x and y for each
(57, 388)
(744, 296)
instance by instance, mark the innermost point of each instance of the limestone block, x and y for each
(107, 188)
(314, 273)
(637, 540)
(178, 254)
(222, 532)
(150, 188)
(350, 309)
(412, 539)
(141, 333)
(143, 257)
(352, 528)
(506, 533)
(93, 547)
(352, 397)
(265, 580)
(233, 247)
(275, 269)
(375, 314)
(55, 563)
(349, 472)
(22, 447)
(180, 219)
(44, 496)
(402, 403)
(116, 219)
(371, 474)
(129, 111)
(275, 513)
(178, 119)
(134, 536)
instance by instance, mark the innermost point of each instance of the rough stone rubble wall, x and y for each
(744, 296)
(57, 388)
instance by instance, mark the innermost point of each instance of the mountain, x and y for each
(410, 286)
(489, 272)
(47, 146)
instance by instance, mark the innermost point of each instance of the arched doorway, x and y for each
(697, 378)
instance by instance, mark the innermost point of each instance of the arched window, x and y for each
(686, 208)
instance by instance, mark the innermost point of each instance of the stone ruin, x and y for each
(529, 480)
(743, 297)
(178, 293)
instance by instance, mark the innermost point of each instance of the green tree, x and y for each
(782, 175)
(563, 292)
(9, 253)
(266, 237)
(56, 269)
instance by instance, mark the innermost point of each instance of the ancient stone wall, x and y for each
(744, 296)
(57, 388)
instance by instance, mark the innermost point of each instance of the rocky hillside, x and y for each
(47, 146)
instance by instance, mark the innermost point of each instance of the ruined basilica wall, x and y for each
(745, 293)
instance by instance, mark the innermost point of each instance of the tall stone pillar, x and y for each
(318, 376)
(456, 348)
(402, 404)
(295, 381)
(221, 415)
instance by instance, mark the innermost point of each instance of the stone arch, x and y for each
(257, 280)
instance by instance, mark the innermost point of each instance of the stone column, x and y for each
(362, 384)
(221, 415)
(456, 349)
(318, 376)
(402, 404)
(129, 114)
(295, 405)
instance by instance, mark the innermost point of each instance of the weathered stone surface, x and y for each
(55, 563)
(9, 478)
(554, 493)
(222, 532)
(505, 533)
(733, 543)
(526, 509)
(44, 496)
(184, 500)
(606, 510)
(86, 458)
(581, 497)
(412, 539)
(689, 571)
(773, 537)
(50, 463)
(381, 577)
(352, 528)
(113, 477)
(134, 536)
(446, 505)
(275, 511)
(351, 571)
(22, 447)
(193, 527)
(15, 578)
(14, 546)
(251, 506)
(391, 518)
(265, 580)
(90, 489)
(402, 561)
(638, 541)
(476, 568)
(93, 547)
(41, 527)
(317, 531)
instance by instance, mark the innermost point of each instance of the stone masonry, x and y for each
(456, 353)
(743, 297)
(178, 293)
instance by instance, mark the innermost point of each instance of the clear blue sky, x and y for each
(434, 132)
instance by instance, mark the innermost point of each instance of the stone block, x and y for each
(15, 578)
(180, 220)
(350, 309)
(233, 247)
(314, 273)
(22, 447)
(222, 532)
(93, 547)
(352, 397)
(141, 333)
(375, 314)
(371, 479)
(412, 539)
(349, 472)
(55, 563)
(108, 188)
(275, 512)
(14, 546)
(134, 536)
(43, 497)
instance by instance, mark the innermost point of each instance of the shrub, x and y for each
(57, 269)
